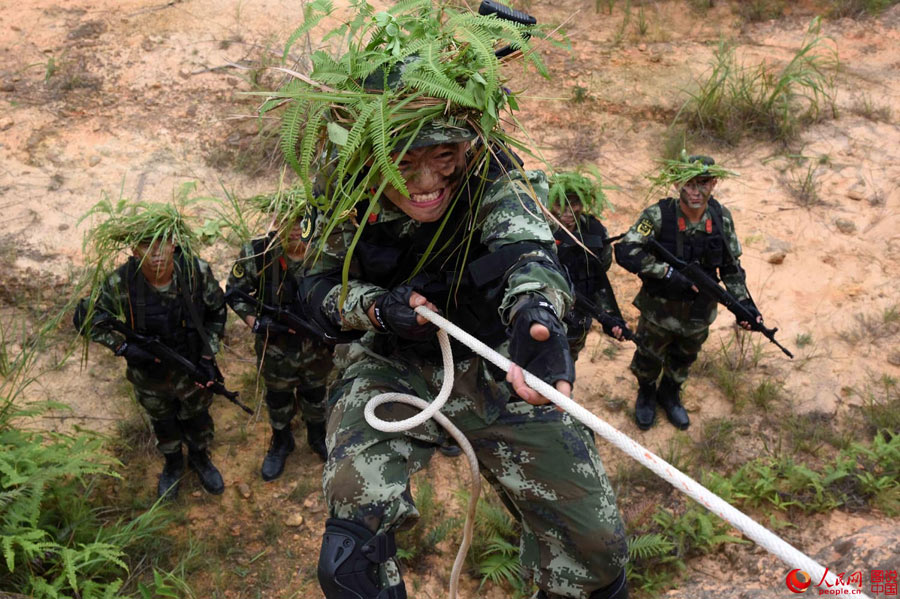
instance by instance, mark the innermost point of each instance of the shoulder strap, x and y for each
(189, 297)
(669, 235)
(715, 212)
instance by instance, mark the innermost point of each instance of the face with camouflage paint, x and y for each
(432, 175)
(157, 260)
(695, 194)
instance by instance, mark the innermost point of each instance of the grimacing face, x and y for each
(570, 215)
(157, 259)
(432, 175)
(695, 193)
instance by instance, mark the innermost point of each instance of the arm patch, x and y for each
(238, 270)
(645, 227)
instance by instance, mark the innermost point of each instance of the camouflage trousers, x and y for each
(662, 350)
(543, 465)
(170, 397)
(300, 371)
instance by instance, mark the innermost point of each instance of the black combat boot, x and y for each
(171, 474)
(645, 406)
(208, 474)
(281, 445)
(669, 397)
(315, 438)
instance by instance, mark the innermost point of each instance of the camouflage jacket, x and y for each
(245, 276)
(688, 316)
(506, 215)
(114, 298)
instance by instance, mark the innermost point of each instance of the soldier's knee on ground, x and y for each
(350, 560)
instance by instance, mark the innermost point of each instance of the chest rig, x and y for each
(707, 246)
(177, 321)
(583, 268)
(276, 284)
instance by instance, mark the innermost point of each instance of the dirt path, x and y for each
(137, 97)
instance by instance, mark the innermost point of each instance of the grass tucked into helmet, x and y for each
(282, 209)
(681, 170)
(397, 73)
(587, 187)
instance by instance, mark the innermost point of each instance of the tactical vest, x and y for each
(150, 313)
(276, 284)
(709, 249)
(460, 277)
(583, 268)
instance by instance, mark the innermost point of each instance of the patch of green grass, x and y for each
(432, 527)
(766, 392)
(804, 339)
(580, 94)
(754, 11)
(873, 326)
(881, 405)
(866, 107)
(803, 184)
(715, 442)
(762, 100)
(858, 8)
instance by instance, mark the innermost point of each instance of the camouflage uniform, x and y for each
(671, 331)
(588, 275)
(172, 400)
(295, 364)
(544, 465)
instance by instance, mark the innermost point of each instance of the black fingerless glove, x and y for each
(208, 370)
(548, 360)
(393, 314)
(679, 282)
(750, 307)
(610, 323)
(135, 355)
(267, 326)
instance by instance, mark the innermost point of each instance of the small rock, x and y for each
(184, 73)
(7, 86)
(244, 490)
(893, 358)
(236, 530)
(312, 504)
(294, 520)
(94, 160)
(63, 227)
(777, 258)
(642, 47)
(856, 193)
(845, 226)
(191, 111)
(196, 494)
(6, 124)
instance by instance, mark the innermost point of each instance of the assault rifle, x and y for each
(167, 355)
(292, 320)
(608, 321)
(488, 7)
(710, 288)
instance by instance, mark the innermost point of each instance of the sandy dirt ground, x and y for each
(135, 97)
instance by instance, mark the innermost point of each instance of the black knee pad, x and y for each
(279, 399)
(617, 590)
(349, 560)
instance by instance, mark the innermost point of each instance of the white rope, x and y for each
(749, 527)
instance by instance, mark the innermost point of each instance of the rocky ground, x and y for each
(135, 97)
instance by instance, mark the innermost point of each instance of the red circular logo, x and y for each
(798, 581)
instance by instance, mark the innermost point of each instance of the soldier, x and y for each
(458, 230)
(583, 249)
(163, 290)
(294, 364)
(675, 319)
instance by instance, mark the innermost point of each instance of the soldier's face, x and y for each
(432, 175)
(570, 215)
(156, 258)
(294, 239)
(696, 193)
